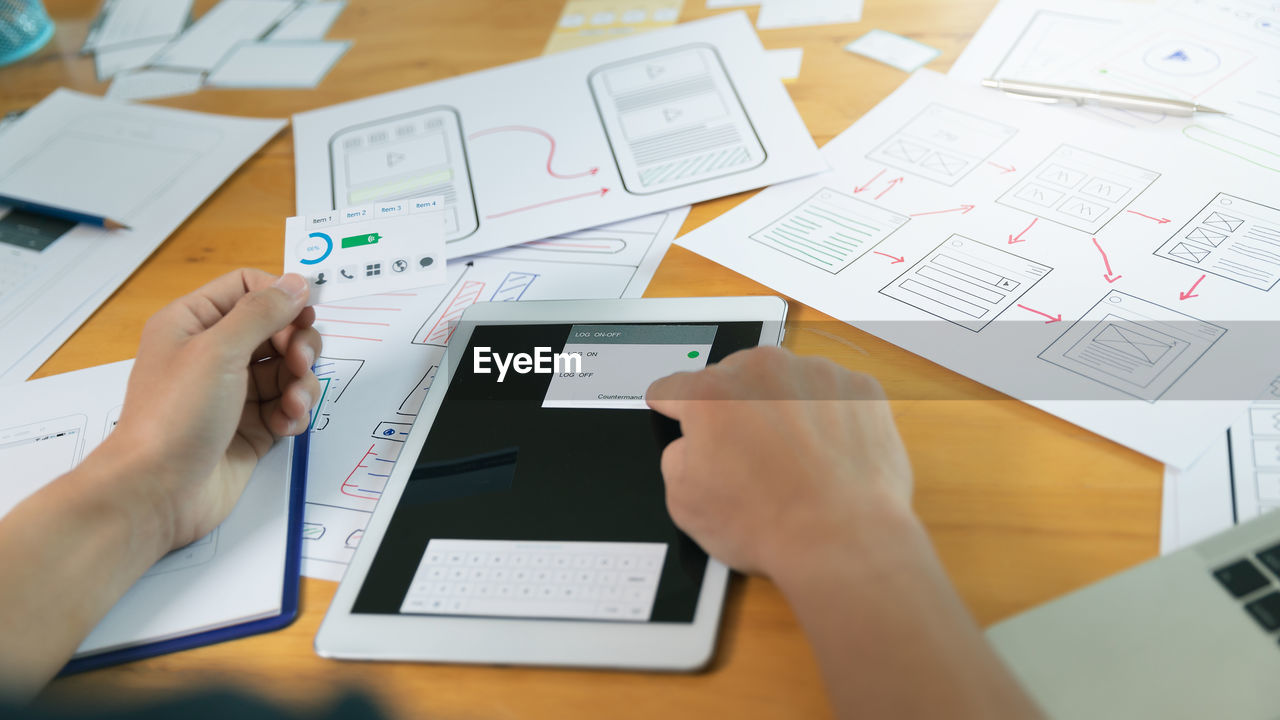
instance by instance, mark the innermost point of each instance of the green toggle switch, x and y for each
(359, 240)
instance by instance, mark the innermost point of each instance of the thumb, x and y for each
(262, 313)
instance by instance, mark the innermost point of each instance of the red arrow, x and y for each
(892, 183)
(1110, 276)
(894, 258)
(1019, 239)
(594, 193)
(1006, 170)
(550, 156)
(963, 209)
(1192, 292)
(1052, 318)
(1159, 220)
(861, 188)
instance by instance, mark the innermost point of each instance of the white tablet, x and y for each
(525, 520)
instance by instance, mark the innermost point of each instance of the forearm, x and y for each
(67, 554)
(891, 635)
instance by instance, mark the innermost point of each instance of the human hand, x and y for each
(779, 454)
(221, 374)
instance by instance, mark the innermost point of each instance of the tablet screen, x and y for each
(537, 493)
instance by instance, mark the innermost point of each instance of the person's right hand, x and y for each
(779, 454)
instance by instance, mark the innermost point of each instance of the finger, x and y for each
(260, 314)
(291, 412)
(672, 462)
(668, 395)
(212, 301)
(304, 348)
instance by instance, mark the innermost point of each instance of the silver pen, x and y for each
(1042, 92)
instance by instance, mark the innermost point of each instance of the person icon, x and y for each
(321, 279)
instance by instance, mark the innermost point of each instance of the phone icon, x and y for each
(347, 272)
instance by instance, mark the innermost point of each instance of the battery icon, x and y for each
(361, 240)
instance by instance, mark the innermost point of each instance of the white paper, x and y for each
(122, 22)
(70, 150)
(233, 575)
(153, 84)
(796, 13)
(111, 61)
(567, 141)
(225, 25)
(923, 203)
(381, 353)
(277, 64)
(893, 50)
(786, 62)
(379, 248)
(1234, 482)
(718, 4)
(309, 22)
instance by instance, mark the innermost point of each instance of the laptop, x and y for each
(1193, 634)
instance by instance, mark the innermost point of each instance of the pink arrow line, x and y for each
(892, 184)
(1052, 318)
(601, 192)
(1192, 292)
(1109, 276)
(963, 210)
(894, 258)
(862, 188)
(1006, 170)
(1159, 220)
(1019, 239)
(550, 155)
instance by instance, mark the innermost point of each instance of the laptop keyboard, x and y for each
(1245, 580)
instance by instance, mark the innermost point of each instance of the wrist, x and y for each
(118, 481)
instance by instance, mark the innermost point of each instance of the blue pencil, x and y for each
(62, 213)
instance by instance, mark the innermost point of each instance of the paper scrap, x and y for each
(152, 84)
(123, 22)
(586, 22)
(796, 13)
(785, 63)
(717, 4)
(383, 247)
(228, 23)
(110, 62)
(893, 50)
(277, 64)
(311, 21)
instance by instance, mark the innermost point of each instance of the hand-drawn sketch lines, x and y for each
(412, 155)
(942, 144)
(413, 401)
(1176, 63)
(829, 230)
(334, 375)
(966, 282)
(1079, 189)
(1133, 345)
(1049, 39)
(1233, 238)
(437, 329)
(673, 118)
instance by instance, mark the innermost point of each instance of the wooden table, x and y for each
(1022, 506)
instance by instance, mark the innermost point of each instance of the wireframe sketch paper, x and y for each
(1236, 480)
(233, 575)
(147, 167)
(108, 62)
(277, 64)
(893, 50)
(796, 13)
(567, 141)
(123, 22)
(310, 21)
(225, 25)
(587, 22)
(381, 353)
(1014, 244)
(1221, 54)
(150, 84)
(379, 248)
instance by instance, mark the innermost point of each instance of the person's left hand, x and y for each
(221, 374)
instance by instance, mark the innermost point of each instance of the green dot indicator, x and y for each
(693, 353)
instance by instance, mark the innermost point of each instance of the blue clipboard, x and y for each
(288, 602)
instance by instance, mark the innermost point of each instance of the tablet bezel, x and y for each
(573, 643)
